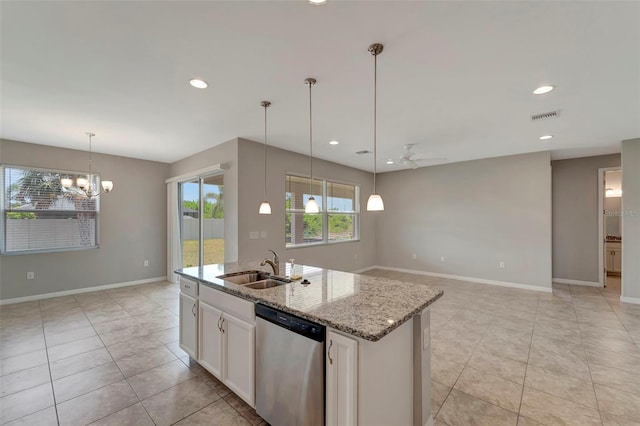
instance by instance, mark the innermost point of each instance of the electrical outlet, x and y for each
(413, 256)
(442, 259)
(254, 235)
(501, 265)
(31, 275)
(263, 235)
(146, 263)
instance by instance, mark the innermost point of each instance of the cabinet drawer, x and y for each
(240, 308)
(189, 287)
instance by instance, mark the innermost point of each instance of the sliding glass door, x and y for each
(202, 220)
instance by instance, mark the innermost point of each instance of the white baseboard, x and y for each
(79, 291)
(462, 278)
(634, 300)
(576, 282)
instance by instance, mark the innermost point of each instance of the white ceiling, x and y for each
(455, 78)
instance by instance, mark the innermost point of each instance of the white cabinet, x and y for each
(189, 325)
(227, 341)
(210, 338)
(613, 256)
(238, 343)
(342, 380)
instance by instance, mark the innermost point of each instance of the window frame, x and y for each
(4, 211)
(326, 213)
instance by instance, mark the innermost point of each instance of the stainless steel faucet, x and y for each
(275, 264)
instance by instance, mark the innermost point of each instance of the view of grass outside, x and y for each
(213, 252)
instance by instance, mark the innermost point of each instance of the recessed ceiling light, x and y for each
(198, 84)
(317, 2)
(333, 142)
(543, 89)
(389, 161)
(545, 137)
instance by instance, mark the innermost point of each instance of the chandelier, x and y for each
(86, 187)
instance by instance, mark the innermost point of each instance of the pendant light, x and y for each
(312, 205)
(265, 207)
(375, 201)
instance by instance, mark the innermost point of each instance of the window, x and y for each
(338, 217)
(39, 215)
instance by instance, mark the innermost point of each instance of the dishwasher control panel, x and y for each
(291, 322)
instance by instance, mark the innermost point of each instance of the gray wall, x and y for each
(132, 226)
(243, 163)
(226, 155)
(631, 218)
(474, 214)
(575, 216)
(347, 256)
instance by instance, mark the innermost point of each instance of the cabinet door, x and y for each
(342, 380)
(189, 325)
(617, 260)
(210, 339)
(239, 357)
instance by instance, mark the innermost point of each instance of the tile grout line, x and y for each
(46, 349)
(526, 365)
(586, 358)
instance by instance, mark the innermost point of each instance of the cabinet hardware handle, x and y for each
(219, 320)
(187, 286)
(329, 352)
(193, 310)
(222, 327)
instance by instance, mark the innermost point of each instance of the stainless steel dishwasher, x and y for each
(289, 369)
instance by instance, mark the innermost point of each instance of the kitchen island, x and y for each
(377, 328)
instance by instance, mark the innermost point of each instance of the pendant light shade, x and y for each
(312, 205)
(375, 201)
(265, 207)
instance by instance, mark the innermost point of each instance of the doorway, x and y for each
(611, 229)
(202, 220)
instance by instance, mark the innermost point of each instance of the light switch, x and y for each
(254, 235)
(263, 235)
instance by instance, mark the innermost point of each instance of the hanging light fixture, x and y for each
(85, 186)
(375, 201)
(312, 205)
(265, 207)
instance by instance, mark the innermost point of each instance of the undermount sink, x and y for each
(256, 280)
(245, 277)
(261, 285)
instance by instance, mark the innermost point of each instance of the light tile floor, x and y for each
(107, 358)
(500, 356)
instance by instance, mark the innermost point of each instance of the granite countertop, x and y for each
(363, 306)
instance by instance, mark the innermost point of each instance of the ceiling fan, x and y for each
(413, 159)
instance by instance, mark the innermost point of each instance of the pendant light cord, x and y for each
(90, 153)
(310, 145)
(375, 116)
(265, 151)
